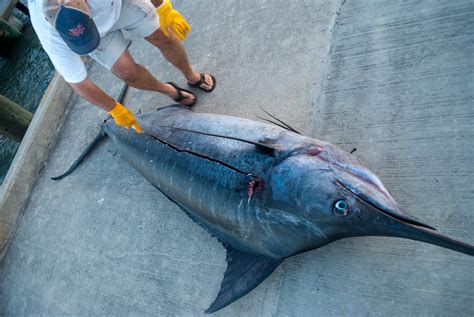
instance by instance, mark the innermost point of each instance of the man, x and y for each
(69, 28)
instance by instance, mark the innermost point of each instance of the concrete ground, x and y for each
(393, 80)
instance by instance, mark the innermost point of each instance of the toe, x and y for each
(188, 99)
(208, 82)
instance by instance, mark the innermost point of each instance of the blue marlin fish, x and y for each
(263, 190)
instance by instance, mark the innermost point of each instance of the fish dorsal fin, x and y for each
(267, 148)
(280, 123)
(245, 271)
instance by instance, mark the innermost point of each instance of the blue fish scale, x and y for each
(215, 194)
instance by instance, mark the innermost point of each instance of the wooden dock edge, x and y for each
(31, 156)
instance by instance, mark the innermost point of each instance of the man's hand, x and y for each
(123, 117)
(171, 19)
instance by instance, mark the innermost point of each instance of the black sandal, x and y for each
(203, 81)
(180, 94)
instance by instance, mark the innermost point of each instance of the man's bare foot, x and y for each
(203, 81)
(180, 95)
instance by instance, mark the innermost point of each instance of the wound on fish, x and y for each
(314, 150)
(255, 185)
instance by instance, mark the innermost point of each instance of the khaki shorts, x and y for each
(138, 17)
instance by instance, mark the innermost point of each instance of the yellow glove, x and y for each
(171, 19)
(123, 117)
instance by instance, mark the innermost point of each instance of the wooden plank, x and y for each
(10, 26)
(8, 29)
(14, 120)
(6, 8)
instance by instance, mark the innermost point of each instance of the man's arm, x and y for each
(92, 93)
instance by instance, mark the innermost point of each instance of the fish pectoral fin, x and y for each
(100, 135)
(245, 271)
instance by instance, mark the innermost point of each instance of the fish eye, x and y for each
(341, 208)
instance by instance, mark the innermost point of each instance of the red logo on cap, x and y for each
(77, 31)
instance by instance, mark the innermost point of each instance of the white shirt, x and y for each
(105, 14)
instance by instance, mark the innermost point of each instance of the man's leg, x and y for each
(174, 52)
(139, 77)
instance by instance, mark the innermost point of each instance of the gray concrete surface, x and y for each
(392, 79)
